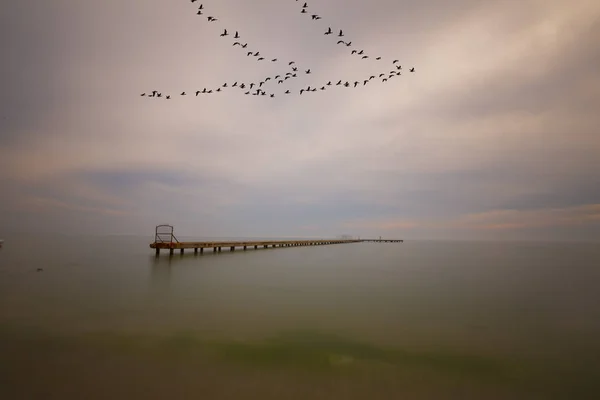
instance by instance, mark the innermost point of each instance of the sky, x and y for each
(495, 135)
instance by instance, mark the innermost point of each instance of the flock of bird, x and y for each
(258, 88)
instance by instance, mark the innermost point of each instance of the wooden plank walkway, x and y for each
(165, 240)
(217, 246)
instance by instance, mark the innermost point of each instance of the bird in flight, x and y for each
(329, 32)
(211, 19)
(224, 33)
(341, 34)
(412, 69)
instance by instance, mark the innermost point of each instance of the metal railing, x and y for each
(164, 234)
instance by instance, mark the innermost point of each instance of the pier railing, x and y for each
(164, 234)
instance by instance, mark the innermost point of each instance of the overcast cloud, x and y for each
(495, 136)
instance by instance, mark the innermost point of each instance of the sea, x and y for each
(92, 317)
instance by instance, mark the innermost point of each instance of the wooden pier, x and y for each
(164, 239)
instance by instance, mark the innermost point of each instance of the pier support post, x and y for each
(171, 251)
(195, 250)
(219, 249)
(181, 251)
(244, 247)
(255, 247)
(214, 250)
(232, 248)
(157, 252)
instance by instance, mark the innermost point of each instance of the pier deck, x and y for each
(165, 240)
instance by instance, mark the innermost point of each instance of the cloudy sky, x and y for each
(495, 136)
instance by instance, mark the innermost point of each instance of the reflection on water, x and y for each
(419, 320)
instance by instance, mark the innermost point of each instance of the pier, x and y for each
(164, 239)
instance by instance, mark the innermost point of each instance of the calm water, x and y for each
(106, 319)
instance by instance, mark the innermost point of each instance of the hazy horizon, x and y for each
(494, 137)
